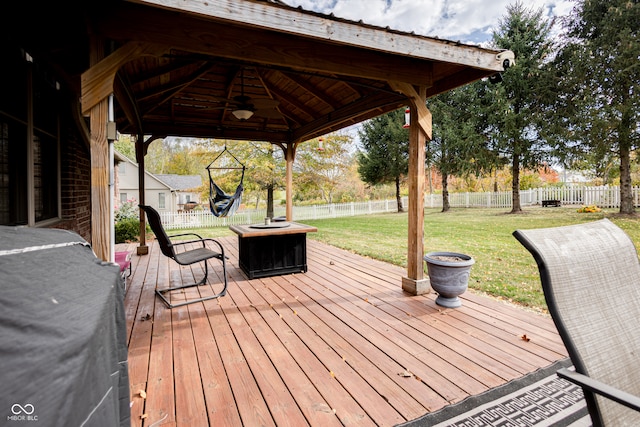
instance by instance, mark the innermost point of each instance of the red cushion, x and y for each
(123, 260)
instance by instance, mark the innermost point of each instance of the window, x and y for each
(161, 201)
(13, 173)
(29, 152)
(122, 168)
(123, 198)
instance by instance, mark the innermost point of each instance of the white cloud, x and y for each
(469, 21)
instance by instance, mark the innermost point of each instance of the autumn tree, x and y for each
(267, 170)
(322, 164)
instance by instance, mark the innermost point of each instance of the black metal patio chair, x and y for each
(186, 257)
(590, 276)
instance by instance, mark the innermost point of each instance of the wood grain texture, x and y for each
(339, 345)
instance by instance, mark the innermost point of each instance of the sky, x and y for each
(467, 21)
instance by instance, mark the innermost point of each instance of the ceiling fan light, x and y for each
(242, 114)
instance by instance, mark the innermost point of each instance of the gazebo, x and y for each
(249, 70)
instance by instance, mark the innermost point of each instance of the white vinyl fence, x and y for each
(603, 196)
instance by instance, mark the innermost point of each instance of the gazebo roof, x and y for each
(304, 74)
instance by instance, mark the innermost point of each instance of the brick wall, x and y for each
(76, 182)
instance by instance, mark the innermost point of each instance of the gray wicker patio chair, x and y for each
(186, 257)
(590, 276)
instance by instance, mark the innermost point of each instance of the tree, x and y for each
(598, 104)
(458, 146)
(125, 145)
(267, 170)
(321, 169)
(513, 122)
(264, 163)
(384, 157)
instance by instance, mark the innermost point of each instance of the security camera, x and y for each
(507, 57)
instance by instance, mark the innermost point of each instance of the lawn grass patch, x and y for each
(504, 269)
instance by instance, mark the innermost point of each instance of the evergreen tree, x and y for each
(384, 157)
(513, 119)
(596, 114)
(458, 146)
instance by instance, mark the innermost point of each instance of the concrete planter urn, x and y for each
(449, 276)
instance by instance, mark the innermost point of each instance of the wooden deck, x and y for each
(339, 345)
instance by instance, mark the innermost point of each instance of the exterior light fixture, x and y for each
(242, 114)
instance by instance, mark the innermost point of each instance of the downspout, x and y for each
(111, 137)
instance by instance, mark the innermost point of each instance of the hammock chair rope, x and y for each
(221, 203)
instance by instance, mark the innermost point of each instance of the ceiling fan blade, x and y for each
(269, 113)
(221, 99)
(263, 103)
(225, 107)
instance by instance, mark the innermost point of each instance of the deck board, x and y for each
(341, 344)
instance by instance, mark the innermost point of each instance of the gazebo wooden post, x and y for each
(142, 248)
(290, 154)
(415, 283)
(97, 86)
(100, 199)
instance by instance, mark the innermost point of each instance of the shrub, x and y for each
(127, 222)
(127, 210)
(127, 230)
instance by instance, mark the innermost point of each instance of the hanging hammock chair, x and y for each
(221, 203)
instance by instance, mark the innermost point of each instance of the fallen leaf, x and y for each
(525, 338)
(143, 394)
(405, 374)
(143, 416)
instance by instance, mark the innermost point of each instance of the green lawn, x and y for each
(503, 268)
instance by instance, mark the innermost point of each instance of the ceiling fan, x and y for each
(244, 107)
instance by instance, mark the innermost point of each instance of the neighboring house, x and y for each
(165, 192)
(186, 189)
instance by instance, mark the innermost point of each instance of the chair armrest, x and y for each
(186, 242)
(185, 234)
(598, 387)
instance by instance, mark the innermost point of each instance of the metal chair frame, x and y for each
(590, 276)
(186, 257)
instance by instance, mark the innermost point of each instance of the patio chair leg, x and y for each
(161, 292)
